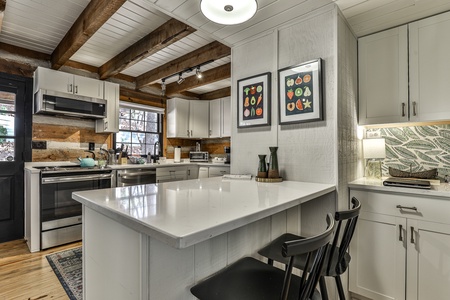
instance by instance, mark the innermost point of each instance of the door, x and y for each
(199, 118)
(53, 80)
(15, 133)
(89, 87)
(428, 260)
(383, 77)
(378, 251)
(429, 42)
(215, 118)
(226, 116)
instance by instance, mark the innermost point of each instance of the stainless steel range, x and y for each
(60, 215)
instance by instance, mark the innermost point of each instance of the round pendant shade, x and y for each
(229, 12)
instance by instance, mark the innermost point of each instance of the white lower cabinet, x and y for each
(218, 171)
(168, 174)
(192, 172)
(401, 253)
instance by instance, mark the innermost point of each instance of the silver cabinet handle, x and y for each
(400, 236)
(412, 235)
(70, 88)
(403, 109)
(407, 207)
(76, 89)
(188, 132)
(414, 108)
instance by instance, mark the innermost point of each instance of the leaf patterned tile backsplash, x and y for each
(417, 148)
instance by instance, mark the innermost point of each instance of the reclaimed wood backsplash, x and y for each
(213, 146)
(67, 139)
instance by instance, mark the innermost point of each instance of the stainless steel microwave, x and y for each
(58, 103)
(200, 156)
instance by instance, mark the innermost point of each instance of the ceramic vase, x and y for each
(273, 163)
(262, 167)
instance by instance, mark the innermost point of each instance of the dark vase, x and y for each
(262, 167)
(273, 163)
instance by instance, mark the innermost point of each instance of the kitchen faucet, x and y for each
(156, 157)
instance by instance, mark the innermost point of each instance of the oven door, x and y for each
(60, 214)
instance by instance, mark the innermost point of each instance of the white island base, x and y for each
(132, 250)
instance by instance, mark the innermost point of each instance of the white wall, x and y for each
(323, 151)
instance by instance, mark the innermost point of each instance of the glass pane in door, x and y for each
(7, 120)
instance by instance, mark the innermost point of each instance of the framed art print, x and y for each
(300, 93)
(253, 107)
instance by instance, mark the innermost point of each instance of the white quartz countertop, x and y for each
(440, 190)
(184, 213)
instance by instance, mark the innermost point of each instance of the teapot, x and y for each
(86, 162)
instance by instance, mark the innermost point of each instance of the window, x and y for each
(7, 119)
(140, 127)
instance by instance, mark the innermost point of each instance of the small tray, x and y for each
(259, 179)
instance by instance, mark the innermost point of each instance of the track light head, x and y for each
(198, 73)
(180, 79)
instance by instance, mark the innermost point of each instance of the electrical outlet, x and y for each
(92, 146)
(39, 145)
(374, 134)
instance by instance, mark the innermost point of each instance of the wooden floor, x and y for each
(28, 276)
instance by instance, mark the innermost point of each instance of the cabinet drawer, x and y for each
(428, 208)
(218, 171)
(174, 172)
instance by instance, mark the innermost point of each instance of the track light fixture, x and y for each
(180, 78)
(198, 73)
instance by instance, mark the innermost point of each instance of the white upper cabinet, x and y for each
(111, 122)
(386, 95)
(429, 48)
(187, 118)
(383, 77)
(67, 83)
(198, 119)
(215, 118)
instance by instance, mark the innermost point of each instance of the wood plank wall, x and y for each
(215, 147)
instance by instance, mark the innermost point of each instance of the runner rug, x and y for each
(67, 266)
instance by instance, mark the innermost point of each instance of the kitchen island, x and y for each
(156, 241)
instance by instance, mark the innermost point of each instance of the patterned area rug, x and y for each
(67, 266)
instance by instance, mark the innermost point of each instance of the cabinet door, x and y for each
(88, 87)
(53, 80)
(192, 172)
(177, 118)
(218, 171)
(199, 119)
(430, 68)
(428, 266)
(377, 268)
(215, 118)
(111, 122)
(226, 117)
(383, 77)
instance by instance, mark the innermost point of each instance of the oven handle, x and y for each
(78, 178)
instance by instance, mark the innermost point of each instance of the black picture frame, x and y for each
(254, 101)
(300, 93)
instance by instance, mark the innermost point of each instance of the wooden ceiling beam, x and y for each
(141, 97)
(96, 13)
(165, 35)
(225, 92)
(212, 51)
(209, 76)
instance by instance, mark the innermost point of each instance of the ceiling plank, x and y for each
(165, 35)
(212, 51)
(96, 13)
(220, 73)
(225, 92)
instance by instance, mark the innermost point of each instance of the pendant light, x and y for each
(229, 12)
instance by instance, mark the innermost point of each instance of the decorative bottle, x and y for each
(262, 167)
(273, 163)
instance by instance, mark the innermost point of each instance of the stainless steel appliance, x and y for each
(51, 102)
(60, 215)
(199, 156)
(129, 177)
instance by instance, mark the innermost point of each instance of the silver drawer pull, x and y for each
(400, 237)
(412, 235)
(407, 207)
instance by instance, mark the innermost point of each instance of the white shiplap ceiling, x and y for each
(40, 25)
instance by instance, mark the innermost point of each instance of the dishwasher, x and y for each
(130, 177)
